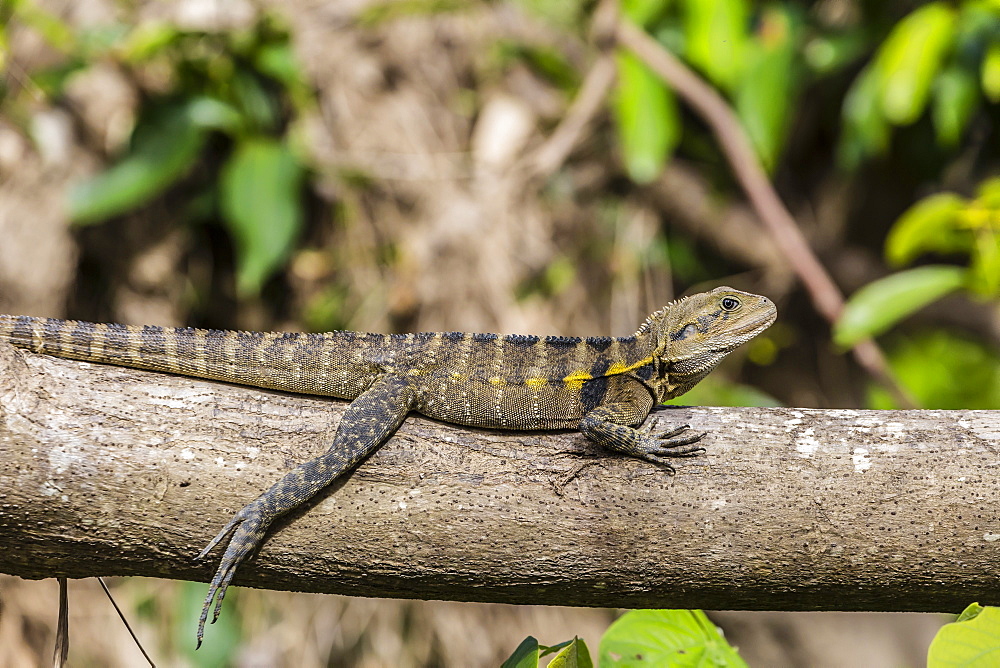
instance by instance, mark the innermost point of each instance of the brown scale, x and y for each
(602, 386)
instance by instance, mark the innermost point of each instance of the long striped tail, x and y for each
(278, 360)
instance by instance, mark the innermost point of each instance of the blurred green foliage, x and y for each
(940, 369)
(243, 85)
(941, 56)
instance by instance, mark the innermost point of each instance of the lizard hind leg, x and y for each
(367, 423)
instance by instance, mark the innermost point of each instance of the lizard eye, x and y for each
(730, 303)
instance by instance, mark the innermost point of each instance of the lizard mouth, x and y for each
(757, 325)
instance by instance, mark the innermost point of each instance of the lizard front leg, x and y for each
(367, 423)
(611, 425)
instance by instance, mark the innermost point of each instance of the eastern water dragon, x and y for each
(604, 387)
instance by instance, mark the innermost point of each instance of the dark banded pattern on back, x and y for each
(486, 379)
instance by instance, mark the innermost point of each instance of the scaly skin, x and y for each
(605, 387)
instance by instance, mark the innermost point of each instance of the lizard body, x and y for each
(603, 386)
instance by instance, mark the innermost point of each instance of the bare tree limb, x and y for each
(596, 85)
(109, 471)
(735, 145)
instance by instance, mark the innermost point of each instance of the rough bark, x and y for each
(109, 471)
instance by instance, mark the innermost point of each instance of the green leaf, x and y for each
(866, 130)
(881, 304)
(715, 392)
(910, 58)
(716, 34)
(941, 370)
(929, 225)
(825, 54)
(525, 656)
(956, 97)
(164, 145)
(147, 40)
(984, 272)
(258, 105)
(971, 612)
(988, 193)
(643, 12)
(675, 638)
(990, 73)
(260, 196)
(212, 114)
(969, 642)
(764, 92)
(574, 655)
(647, 119)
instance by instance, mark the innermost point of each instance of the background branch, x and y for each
(780, 224)
(109, 471)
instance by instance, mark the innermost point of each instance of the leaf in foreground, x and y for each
(525, 656)
(666, 638)
(970, 642)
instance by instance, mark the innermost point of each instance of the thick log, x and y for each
(110, 471)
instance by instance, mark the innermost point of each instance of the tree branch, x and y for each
(778, 221)
(109, 471)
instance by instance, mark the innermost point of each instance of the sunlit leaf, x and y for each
(147, 40)
(213, 114)
(942, 370)
(969, 643)
(260, 197)
(928, 225)
(525, 656)
(574, 655)
(910, 58)
(716, 34)
(988, 193)
(643, 12)
(971, 612)
(827, 53)
(956, 97)
(866, 130)
(882, 303)
(990, 74)
(647, 119)
(164, 145)
(677, 638)
(984, 272)
(764, 92)
(714, 391)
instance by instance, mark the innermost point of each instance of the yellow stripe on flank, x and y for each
(536, 382)
(497, 381)
(618, 367)
(576, 379)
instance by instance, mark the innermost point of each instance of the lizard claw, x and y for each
(250, 525)
(656, 447)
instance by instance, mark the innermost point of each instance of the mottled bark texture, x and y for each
(110, 471)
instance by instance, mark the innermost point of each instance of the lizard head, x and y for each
(694, 334)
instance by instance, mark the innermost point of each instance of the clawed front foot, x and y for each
(248, 527)
(655, 447)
